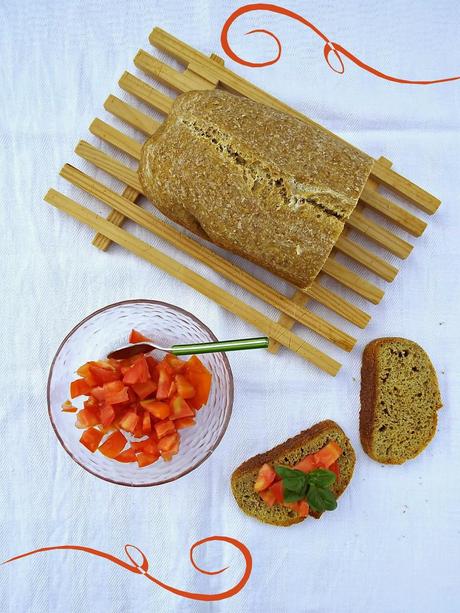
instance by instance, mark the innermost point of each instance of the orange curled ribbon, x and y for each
(336, 49)
(143, 567)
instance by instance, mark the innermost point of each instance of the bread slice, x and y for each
(289, 453)
(253, 180)
(399, 400)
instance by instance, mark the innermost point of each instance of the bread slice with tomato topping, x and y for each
(289, 454)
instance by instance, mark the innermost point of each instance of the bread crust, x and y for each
(255, 462)
(253, 180)
(368, 397)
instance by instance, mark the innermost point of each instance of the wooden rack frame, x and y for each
(201, 72)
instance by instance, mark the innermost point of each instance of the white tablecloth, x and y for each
(394, 543)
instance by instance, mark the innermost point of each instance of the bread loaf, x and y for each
(289, 454)
(253, 180)
(399, 400)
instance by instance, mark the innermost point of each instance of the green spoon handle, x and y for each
(235, 345)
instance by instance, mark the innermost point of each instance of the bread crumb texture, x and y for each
(289, 454)
(399, 400)
(253, 180)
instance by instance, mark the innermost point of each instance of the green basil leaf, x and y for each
(321, 477)
(293, 496)
(295, 484)
(314, 498)
(286, 472)
(320, 498)
(329, 501)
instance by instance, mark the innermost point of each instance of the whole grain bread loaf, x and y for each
(399, 400)
(290, 453)
(253, 180)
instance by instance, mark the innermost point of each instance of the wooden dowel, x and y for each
(191, 278)
(131, 84)
(109, 164)
(117, 139)
(132, 116)
(231, 272)
(380, 235)
(336, 303)
(180, 81)
(402, 186)
(389, 209)
(364, 288)
(367, 258)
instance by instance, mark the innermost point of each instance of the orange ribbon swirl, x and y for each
(143, 567)
(329, 47)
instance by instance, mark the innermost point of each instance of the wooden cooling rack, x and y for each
(202, 72)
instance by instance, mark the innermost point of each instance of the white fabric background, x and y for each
(393, 545)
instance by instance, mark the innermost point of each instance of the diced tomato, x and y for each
(68, 407)
(126, 456)
(335, 469)
(176, 364)
(307, 464)
(145, 459)
(91, 439)
(172, 389)
(138, 431)
(103, 375)
(85, 372)
(300, 507)
(180, 408)
(107, 415)
(185, 422)
(164, 381)
(146, 423)
(91, 404)
(200, 378)
(268, 497)
(265, 478)
(98, 393)
(138, 446)
(79, 387)
(115, 392)
(150, 446)
(277, 490)
(152, 364)
(86, 419)
(129, 421)
(138, 372)
(162, 428)
(158, 409)
(169, 443)
(144, 390)
(184, 388)
(167, 456)
(114, 445)
(328, 455)
(137, 337)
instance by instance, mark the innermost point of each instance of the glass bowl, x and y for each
(107, 329)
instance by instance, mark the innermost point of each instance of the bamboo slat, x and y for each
(194, 280)
(379, 235)
(402, 186)
(180, 81)
(397, 214)
(131, 84)
(207, 256)
(117, 139)
(135, 118)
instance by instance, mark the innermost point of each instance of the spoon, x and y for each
(128, 351)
